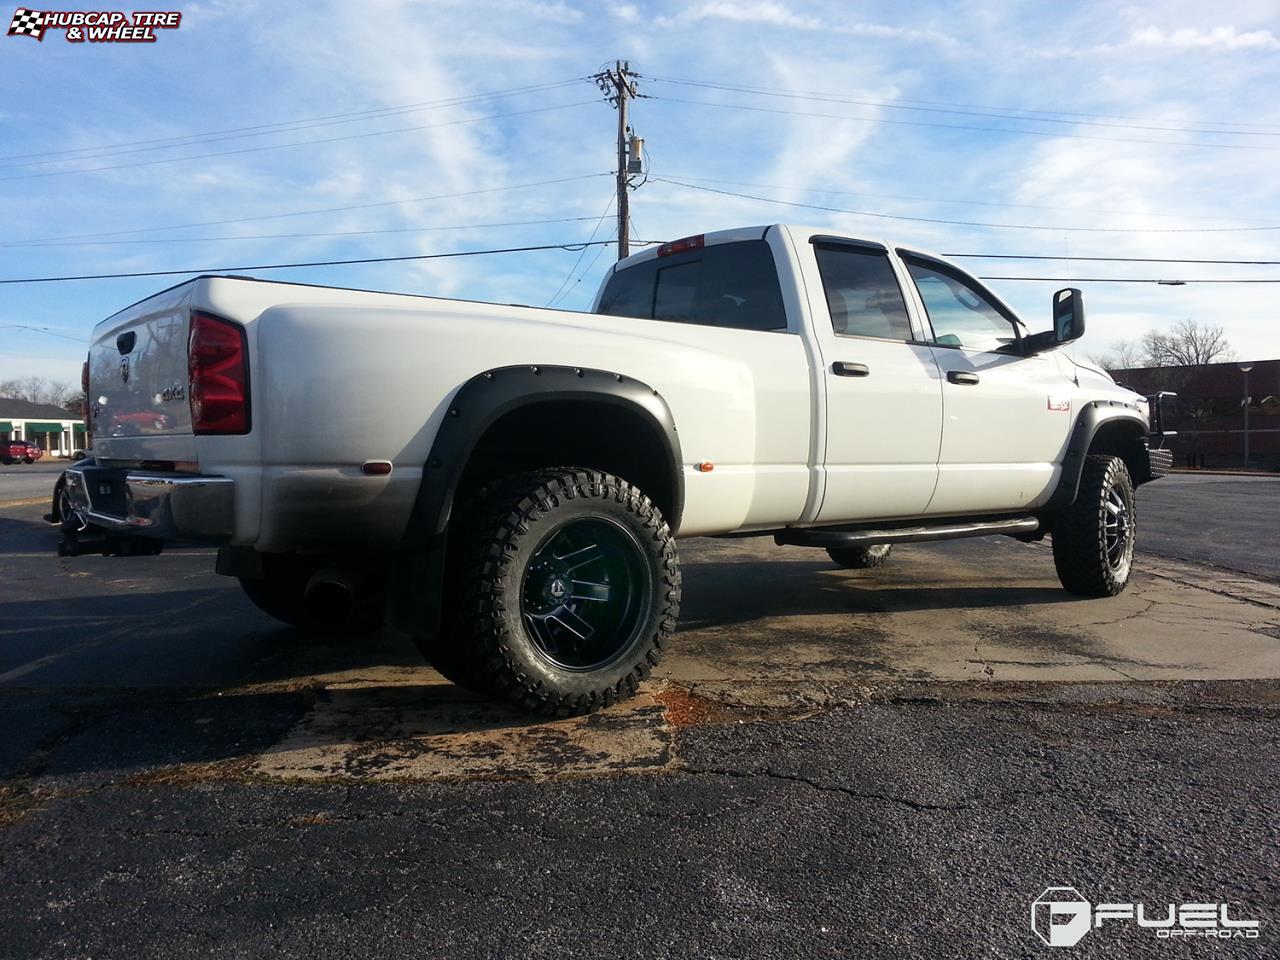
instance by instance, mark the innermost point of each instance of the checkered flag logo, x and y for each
(27, 23)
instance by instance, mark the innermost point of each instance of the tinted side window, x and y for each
(962, 315)
(862, 293)
(726, 285)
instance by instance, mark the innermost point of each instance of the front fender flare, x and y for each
(1093, 416)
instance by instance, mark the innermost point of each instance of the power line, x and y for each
(1018, 256)
(569, 276)
(45, 330)
(1159, 280)
(1071, 113)
(959, 126)
(572, 247)
(971, 203)
(300, 143)
(307, 236)
(264, 129)
(955, 109)
(306, 213)
(591, 265)
(961, 223)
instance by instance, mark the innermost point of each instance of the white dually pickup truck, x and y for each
(505, 483)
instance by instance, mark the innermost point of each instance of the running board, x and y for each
(832, 537)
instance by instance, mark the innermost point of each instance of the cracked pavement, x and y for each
(830, 763)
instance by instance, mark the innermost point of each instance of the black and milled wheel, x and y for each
(1093, 540)
(569, 587)
(860, 558)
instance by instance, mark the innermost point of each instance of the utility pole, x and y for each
(1245, 368)
(619, 86)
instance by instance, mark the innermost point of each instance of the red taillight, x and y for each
(680, 246)
(218, 368)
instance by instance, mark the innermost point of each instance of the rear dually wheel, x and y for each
(569, 589)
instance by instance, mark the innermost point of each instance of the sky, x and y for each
(270, 133)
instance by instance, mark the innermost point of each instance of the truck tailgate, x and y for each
(138, 373)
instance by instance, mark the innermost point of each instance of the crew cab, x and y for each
(506, 483)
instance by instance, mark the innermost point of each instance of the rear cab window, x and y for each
(731, 285)
(862, 292)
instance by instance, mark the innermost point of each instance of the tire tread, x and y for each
(477, 649)
(1079, 553)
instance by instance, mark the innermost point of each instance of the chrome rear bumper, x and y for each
(165, 506)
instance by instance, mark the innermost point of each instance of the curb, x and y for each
(1183, 472)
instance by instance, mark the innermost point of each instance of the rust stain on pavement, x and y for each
(436, 731)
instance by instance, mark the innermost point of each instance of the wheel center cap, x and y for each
(557, 588)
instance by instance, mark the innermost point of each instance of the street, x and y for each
(26, 481)
(856, 763)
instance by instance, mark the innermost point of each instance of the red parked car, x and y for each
(19, 451)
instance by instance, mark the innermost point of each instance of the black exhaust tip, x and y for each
(329, 597)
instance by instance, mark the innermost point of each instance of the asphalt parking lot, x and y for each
(892, 762)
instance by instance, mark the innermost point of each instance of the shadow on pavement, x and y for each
(720, 594)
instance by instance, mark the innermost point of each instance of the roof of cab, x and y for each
(738, 234)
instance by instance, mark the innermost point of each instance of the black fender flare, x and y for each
(417, 578)
(1092, 417)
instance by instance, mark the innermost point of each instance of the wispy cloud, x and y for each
(1217, 38)
(558, 12)
(769, 13)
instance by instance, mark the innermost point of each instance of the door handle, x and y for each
(961, 376)
(843, 369)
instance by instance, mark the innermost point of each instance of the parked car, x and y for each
(506, 483)
(19, 451)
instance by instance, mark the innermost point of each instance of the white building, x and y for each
(56, 431)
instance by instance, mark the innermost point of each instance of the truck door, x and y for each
(1006, 414)
(883, 387)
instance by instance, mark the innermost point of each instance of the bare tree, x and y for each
(1186, 344)
(1123, 355)
(38, 390)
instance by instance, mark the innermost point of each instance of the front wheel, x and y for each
(570, 588)
(1093, 540)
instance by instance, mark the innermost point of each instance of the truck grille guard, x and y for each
(1155, 406)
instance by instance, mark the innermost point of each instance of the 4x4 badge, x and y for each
(124, 369)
